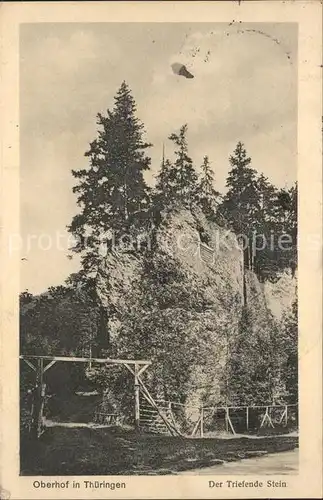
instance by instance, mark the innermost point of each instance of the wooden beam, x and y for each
(263, 419)
(283, 415)
(39, 399)
(266, 417)
(229, 421)
(41, 410)
(171, 414)
(202, 422)
(41, 392)
(129, 368)
(47, 367)
(243, 407)
(196, 426)
(41, 371)
(73, 359)
(137, 399)
(136, 373)
(30, 364)
(142, 369)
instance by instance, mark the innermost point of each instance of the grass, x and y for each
(85, 451)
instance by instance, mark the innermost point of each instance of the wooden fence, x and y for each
(209, 419)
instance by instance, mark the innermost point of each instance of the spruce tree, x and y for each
(177, 182)
(186, 174)
(241, 202)
(112, 193)
(207, 194)
(284, 222)
(166, 185)
(112, 190)
(264, 227)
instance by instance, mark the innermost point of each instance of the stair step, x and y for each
(150, 418)
(153, 419)
(158, 424)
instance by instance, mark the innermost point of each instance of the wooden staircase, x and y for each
(153, 420)
(155, 416)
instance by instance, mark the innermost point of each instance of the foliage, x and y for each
(240, 202)
(161, 319)
(113, 187)
(251, 367)
(112, 192)
(177, 182)
(264, 217)
(207, 195)
(289, 351)
(61, 321)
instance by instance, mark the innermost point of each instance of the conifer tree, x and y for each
(112, 193)
(207, 194)
(265, 261)
(113, 188)
(177, 182)
(281, 219)
(186, 174)
(267, 200)
(240, 202)
(165, 188)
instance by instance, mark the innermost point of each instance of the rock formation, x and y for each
(187, 323)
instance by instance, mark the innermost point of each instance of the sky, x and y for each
(244, 89)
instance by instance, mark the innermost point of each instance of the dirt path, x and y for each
(75, 425)
(276, 463)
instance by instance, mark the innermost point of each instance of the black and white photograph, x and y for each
(161, 279)
(158, 305)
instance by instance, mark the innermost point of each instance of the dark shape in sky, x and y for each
(180, 69)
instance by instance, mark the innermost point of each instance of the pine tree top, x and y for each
(239, 157)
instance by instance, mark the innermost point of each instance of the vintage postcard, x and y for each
(161, 246)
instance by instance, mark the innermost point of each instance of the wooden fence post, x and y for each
(247, 418)
(39, 400)
(137, 401)
(229, 421)
(202, 422)
(197, 425)
(266, 417)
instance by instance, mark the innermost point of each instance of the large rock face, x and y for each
(211, 263)
(115, 281)
(216, 268)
